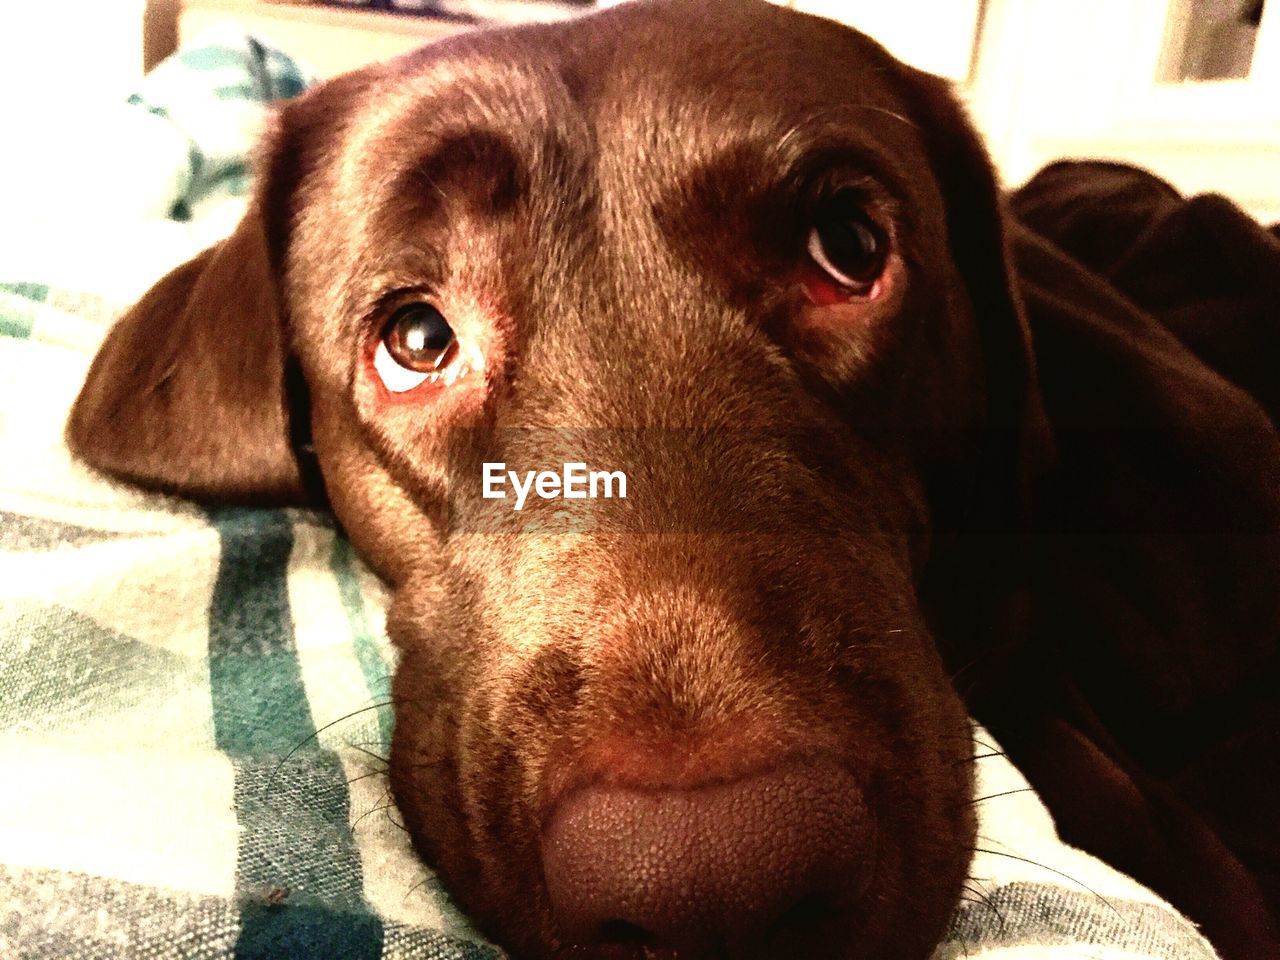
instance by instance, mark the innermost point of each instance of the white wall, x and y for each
(1049, 78)
(1086, 79)
(1046, 79)
(69, 50)
(934, 35)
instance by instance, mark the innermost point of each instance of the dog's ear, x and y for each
(188, 393)
(977, 577)
(1016, 442)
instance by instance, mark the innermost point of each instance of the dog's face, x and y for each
(737, 254)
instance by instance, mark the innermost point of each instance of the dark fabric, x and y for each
(1144, 702)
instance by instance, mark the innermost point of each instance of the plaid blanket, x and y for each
(193, 702)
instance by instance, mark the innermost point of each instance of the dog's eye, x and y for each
(417, 344)
(850, 249)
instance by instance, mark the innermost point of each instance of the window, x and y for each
(1211, 39)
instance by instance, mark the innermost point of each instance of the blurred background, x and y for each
(1188, 88)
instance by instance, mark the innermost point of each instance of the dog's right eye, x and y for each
(417, 345)
(850, 250)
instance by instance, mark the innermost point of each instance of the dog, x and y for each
(750, 262)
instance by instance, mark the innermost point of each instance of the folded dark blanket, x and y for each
(1142, 695)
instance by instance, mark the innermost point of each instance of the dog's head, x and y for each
(741, 256)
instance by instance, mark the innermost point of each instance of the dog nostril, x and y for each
(624, 933)
(809, 912)
(623, 940)
(813, 920)
(801, 921)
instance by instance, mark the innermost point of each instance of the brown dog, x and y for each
(750, 261)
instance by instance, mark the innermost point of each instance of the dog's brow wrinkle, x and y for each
(431, 183)
(812, 124)
(482, 158)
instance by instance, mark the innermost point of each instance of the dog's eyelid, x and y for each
(882, 215)
(413, 267)
(840, 174)
(394, 377)
(836, 165)
(380, 307)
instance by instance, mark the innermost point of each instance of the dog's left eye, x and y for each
(850, 249)
(417, 344)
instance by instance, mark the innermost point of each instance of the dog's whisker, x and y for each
(968, 665)
(435, 187)
(1054, 870)
(1003, 793)
(983, 756)
(375, 809)
(421, 883)
(366, 776)
(974, 740)
(372, 756)
(366, 746)
(314, 736)
(989, 903)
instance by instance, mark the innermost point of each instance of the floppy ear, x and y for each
(188, 393)
(977, 575)
(1016, 442)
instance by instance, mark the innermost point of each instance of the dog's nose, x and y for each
(767, 862)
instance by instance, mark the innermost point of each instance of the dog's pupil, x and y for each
(853, 246)
(420, 337)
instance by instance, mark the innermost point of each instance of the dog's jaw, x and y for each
(488, 744)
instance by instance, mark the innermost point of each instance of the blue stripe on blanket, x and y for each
(301, 897)
(377, 675)
(260, 706)
(18, 306)
(38, 292)
(214, 58)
